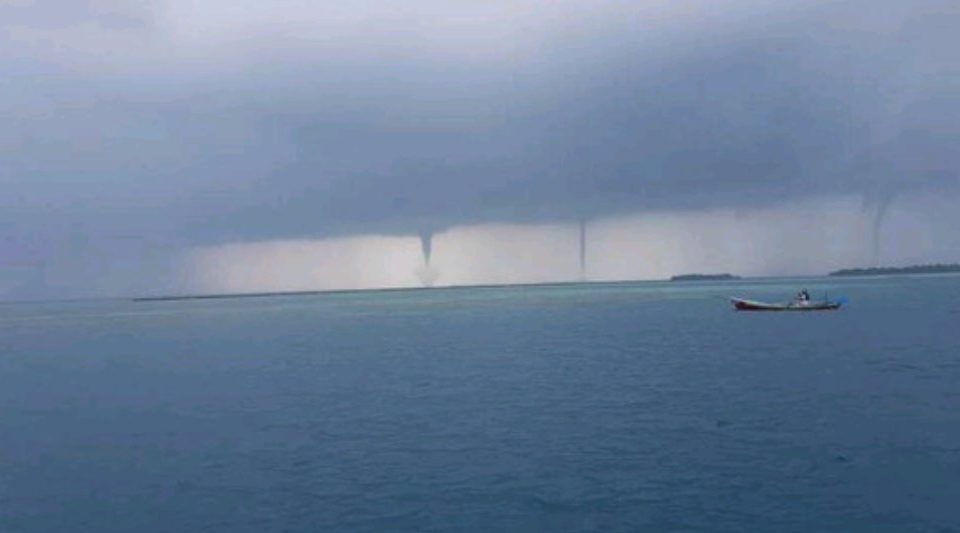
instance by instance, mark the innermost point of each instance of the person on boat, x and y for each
(803, 297)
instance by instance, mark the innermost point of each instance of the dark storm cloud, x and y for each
(120, 126)
(763, 115)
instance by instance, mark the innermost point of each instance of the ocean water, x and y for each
(622, 407)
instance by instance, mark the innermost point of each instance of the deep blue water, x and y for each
(634, 407)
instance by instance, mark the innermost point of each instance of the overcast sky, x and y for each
(158, 146)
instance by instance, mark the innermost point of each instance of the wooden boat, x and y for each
(741, 304)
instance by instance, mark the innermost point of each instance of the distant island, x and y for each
(704, 277)
(894, 271)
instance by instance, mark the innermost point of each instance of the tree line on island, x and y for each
(890, 271)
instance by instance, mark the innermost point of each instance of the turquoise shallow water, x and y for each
(620, 407)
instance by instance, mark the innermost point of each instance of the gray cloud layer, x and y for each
(132, 130)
